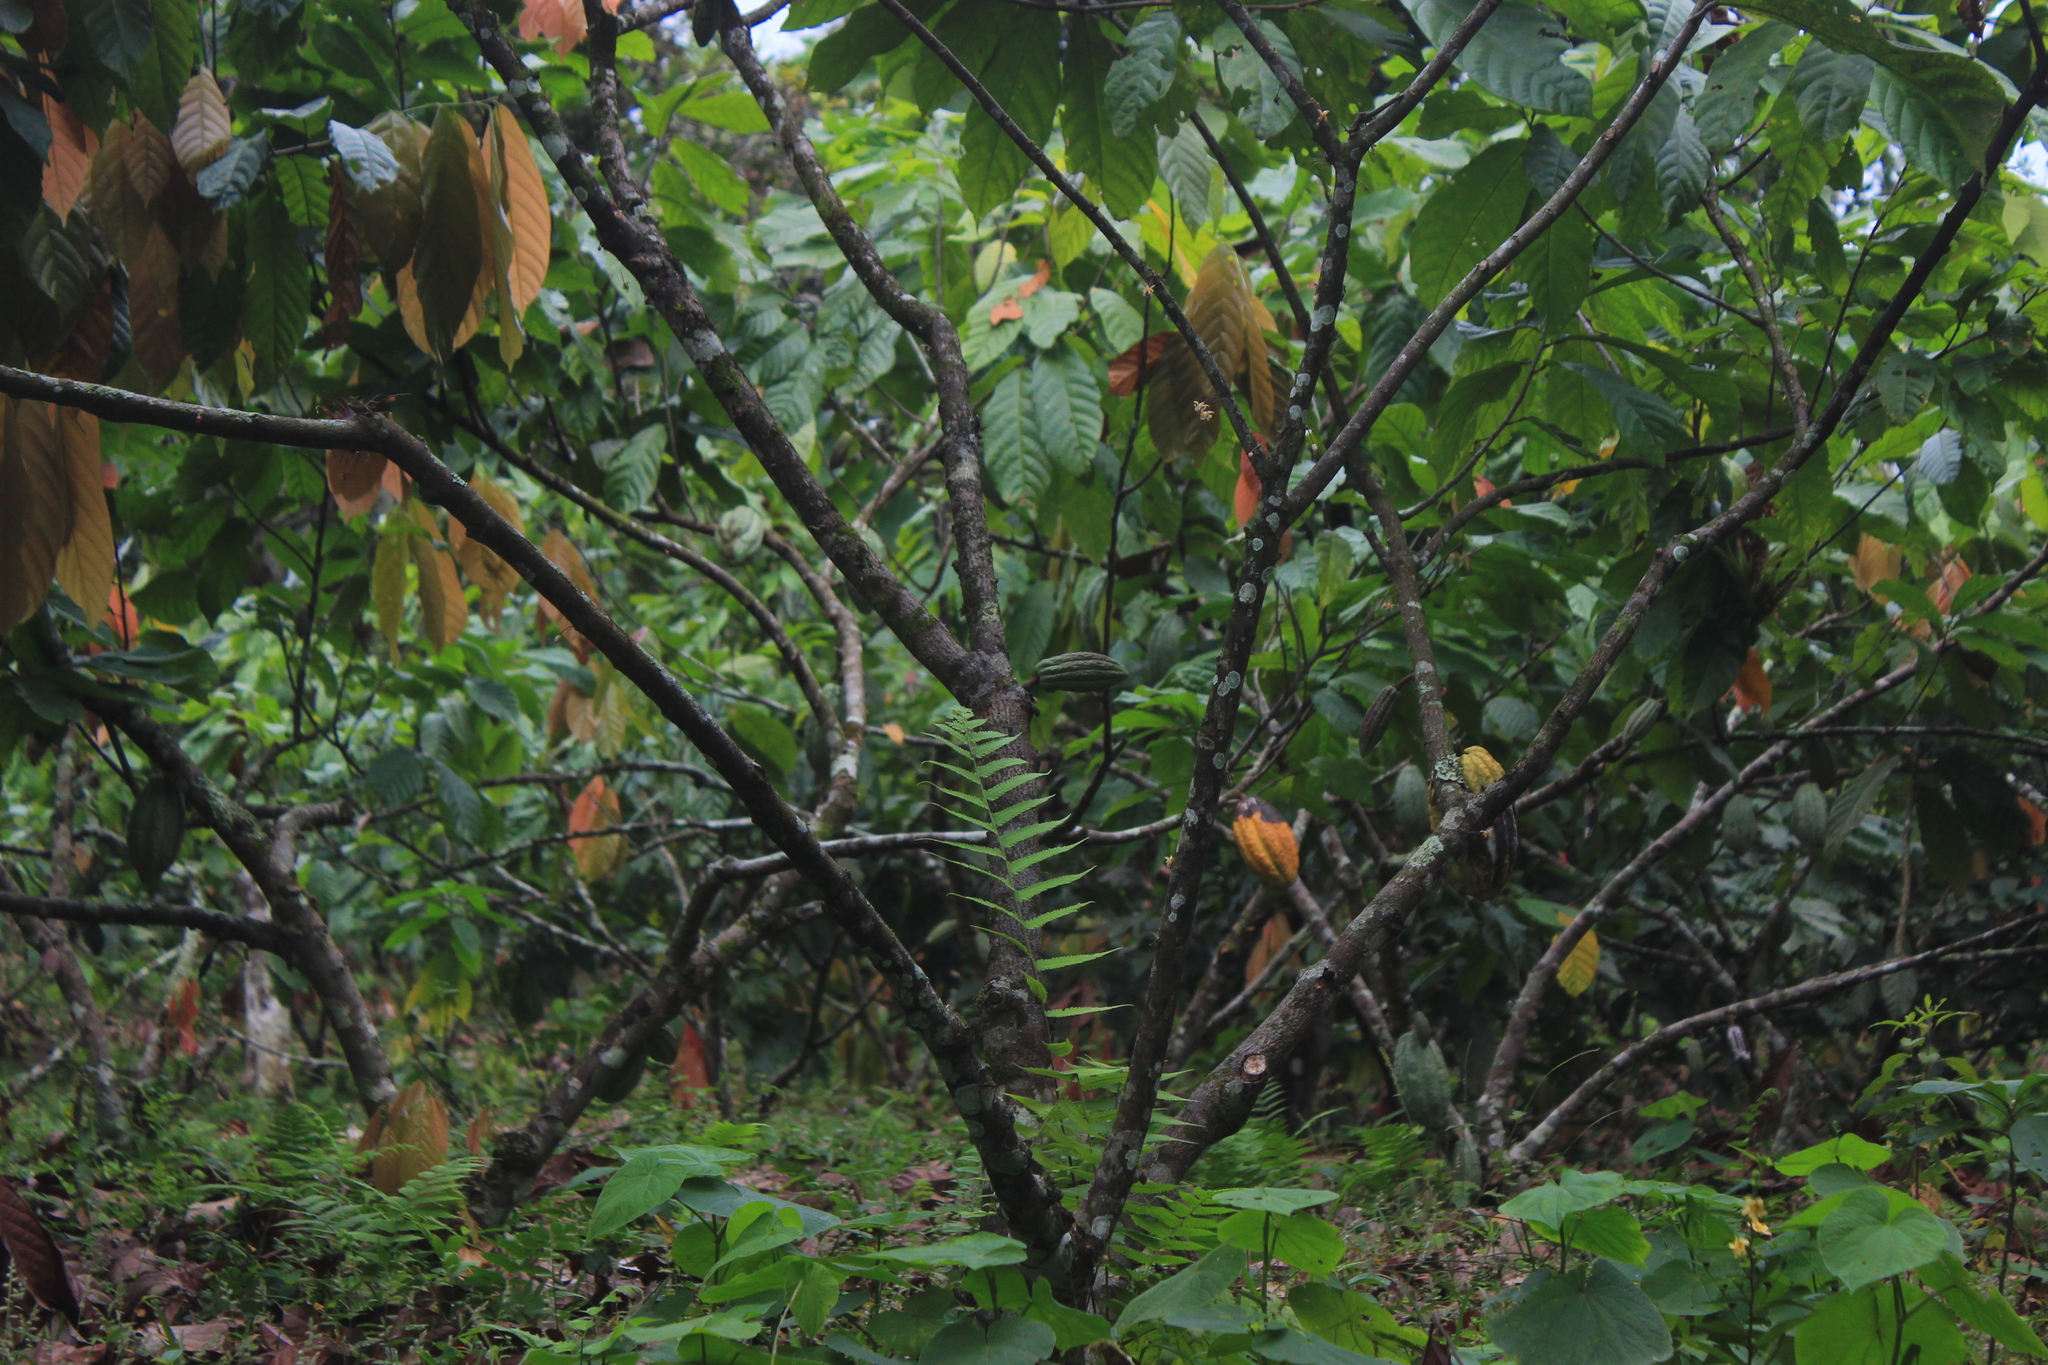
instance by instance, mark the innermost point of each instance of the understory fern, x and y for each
(986, 782)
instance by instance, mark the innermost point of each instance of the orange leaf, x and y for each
(35, 507)
(2037, 822)
(1143, 357)
(1006, 311)
(412, 1138)
(1272, 938)
(355, 477)
(1752, 690)
(691, 1070)
(525, 201)
(72, 145)
(894, 732)
(559, 19)
(1036, 282)
(121, 617)
(1247, 499)
(443, 611)
(1873, 562)
(183, 1013)
(596, 807)
(1943, 590)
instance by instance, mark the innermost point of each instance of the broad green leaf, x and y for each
(120, 32)
(1866, 1328)
(159, 76)
(274, 305)
(1066, 410)
(1140, 77)
(1518, 55)
(1611, 1232)
(450, 252)
(631, 466)
(975, 1251)
(1007, 1341)
(1023, 76)
(1868, 1238)
(1468, 216)
(1590, 1316)
(1648, 424)
(1010, 443)
(648, 1180)
(1302, 1240)
(1982, 1309)
(2030, 1143)
(1197, 1286)
(1572, 1192)
(713, 175)
(1272, 1199)
(1830, 89)
(1353, 1321)
(1727, 102)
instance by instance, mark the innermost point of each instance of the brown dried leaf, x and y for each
(413, 1138)
(153, 328)
(35, 507)
(37, 1261)
(72, 145)
(525, 201)
(1943, 590)
(1752, 690)
(204, 127)
(597, 856)
(344, 264)
(1874, 562)
(569, 560)
(355, 477)
(148, 156)
(85, 566)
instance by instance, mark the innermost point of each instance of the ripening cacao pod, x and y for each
(1411, 801)
(1081, 672)
(1422, 1079)
(1482, 870)
(1378, 717)
(1738, 824)
(1808, 817)
(156, 830)
(1641, 719)
(1267, 842)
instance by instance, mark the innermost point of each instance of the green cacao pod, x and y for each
(1378, 717)
(1423, 1081)
(1411, 802)
(1641, 719)
(1081, 672)
(1808, 817)
(156, 830)
(619, 1079)
(1738, 824)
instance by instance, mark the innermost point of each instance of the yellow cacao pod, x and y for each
(1267, 842)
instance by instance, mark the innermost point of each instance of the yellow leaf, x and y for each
(387, 580)
(35, 507)
(443, 612)
(1874, 562)
(494, 578)
(203, 129)
(525, 201)
(85, 566)
(2034, 498)
(452, 248)
(1576, 973)
(894, 732)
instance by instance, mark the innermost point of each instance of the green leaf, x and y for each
(1307, 1243)
(648, 1180)
(365, 156)
(1865, 1328)
(1071, 1327)
(1121, 166)
(1846, 812)
(450, 252)
(1066, 410)
(302, 184)
(1022, 75)
(461, 805)
(1804, 161)
(159, 77)
(1272, 1198)
(1830, 89)
(1353, 1321)
(733, 110)
(1682, 167)
(1140, 78)
(631, 466)
(1869, 1238)
(2030, 1143)
(765, 736)
(975, 1251)
(280, 283)
(1981, 1309)
(1558, 267)
(120, 32)
(839, 56)
(1006, 1341)
(713, 175)
(1010, 444)
(1727, 102)
(1197, 1286)
(1591, 1316)
(1518, 55)
(1467, 217)
(226, 182)
(1648, 425)
(1612, 1232)
(1572, 1192)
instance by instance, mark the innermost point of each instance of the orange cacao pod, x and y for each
(1267, 842)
